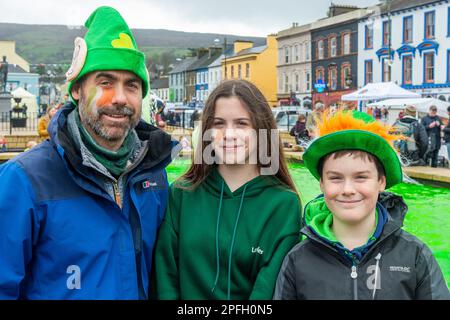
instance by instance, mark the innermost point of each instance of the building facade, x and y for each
(160, 87)
(409, 44)
(255, 64)
(335, 56)
(177, 80)
(294, 76)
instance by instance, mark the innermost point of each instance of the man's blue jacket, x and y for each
(62, 236)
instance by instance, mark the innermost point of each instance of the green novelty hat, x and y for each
(355, 131)
(107, 45)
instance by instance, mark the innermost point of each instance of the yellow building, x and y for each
(255, 64)
(8, 49)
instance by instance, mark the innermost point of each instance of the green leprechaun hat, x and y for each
(108, 45)
(355, 130)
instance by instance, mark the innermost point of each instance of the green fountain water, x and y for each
(428, 216)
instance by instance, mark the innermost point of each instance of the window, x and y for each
(320, 49)
(368, 71)
(369, 37)
(308, 80)
(286, 55)
(386, 70)
(346, 72)
(239, 72)
(332, 77)
(198, 77)
(296, 53)
(247, 70)
(346, 43)
(386, 33)
(407, 29)
(232, 72)
(307, 51)
(333, 46)
(428, 60)
(286, 83)
(297, 82)
(320, 74)
(429, 25)
(226, 72)
(407, 69)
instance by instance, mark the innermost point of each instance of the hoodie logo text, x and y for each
(257, 250)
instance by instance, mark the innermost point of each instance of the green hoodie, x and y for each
(259, 223)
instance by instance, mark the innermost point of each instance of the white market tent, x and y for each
(422, 105)
(27, 98)
(378, 91)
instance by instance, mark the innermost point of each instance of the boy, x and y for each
(355, 247)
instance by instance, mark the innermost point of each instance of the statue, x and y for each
(4, 73)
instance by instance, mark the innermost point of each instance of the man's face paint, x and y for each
(107, 121)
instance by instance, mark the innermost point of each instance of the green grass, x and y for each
(427, 218)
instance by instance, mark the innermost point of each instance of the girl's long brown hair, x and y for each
(261, 116)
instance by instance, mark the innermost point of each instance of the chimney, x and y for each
(214, 50)
(201, 52)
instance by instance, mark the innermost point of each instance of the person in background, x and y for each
(315, 116)
(3, 143)
(447, 134)
(44, 122)
(414, 142)
(299, 130)
(433, 125)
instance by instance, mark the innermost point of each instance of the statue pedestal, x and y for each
(5, 104)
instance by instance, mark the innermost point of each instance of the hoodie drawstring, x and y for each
(217, 238)
(232, 242)
(378, 257)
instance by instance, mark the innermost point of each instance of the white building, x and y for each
(294, 64)
(419, 48)
(215, 73)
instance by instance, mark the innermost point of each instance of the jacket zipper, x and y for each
(117, 196)
(354, 276)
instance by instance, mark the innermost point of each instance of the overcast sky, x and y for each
(239, 17)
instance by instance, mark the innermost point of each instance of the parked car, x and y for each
(286, 116)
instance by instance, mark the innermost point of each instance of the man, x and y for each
(433, 125)
(447, 134)
(79, 213)
(415, 145)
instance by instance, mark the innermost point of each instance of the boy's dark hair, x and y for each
(448, 109)
(355, 153)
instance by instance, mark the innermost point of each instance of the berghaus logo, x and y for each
(147, 184)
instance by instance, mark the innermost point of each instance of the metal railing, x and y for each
(14, 122)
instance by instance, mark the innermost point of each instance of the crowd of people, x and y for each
(421, 142)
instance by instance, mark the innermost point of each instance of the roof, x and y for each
(204, 61)
(342, 18)
(160, 83)
(398, 5)
(254, 50)
(295, 30)
(183, 65)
